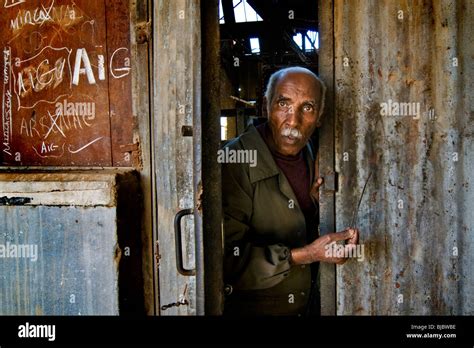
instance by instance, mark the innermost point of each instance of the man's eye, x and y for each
(308, 108)
(282, 103)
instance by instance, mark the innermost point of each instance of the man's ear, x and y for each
(264, 107)
(318, 122)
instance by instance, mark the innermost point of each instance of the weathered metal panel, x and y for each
(88, 252)
(70, 259)
(416, 217)
(177, 57)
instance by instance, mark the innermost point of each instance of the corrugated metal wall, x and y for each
(59, 251)
(416, 216)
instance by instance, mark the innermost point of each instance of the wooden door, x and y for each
(176, 97)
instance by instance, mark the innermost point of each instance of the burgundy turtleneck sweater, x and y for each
(297, 172)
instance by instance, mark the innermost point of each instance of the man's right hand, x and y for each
(317, 250)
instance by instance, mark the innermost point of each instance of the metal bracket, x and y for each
(331, 182)
(187, 131)
(130, 147)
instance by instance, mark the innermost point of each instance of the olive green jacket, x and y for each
(262, 222)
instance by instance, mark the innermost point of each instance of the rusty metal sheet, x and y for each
(404, 112)
(70, 244)
(56, 276)
(58, 259)
(60, 63)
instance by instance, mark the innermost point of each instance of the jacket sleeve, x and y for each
(246, 265)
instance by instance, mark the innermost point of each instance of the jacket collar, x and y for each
(266, 166)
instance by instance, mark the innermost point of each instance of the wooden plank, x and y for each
(56, 72)
(55, 113)
(124, 152)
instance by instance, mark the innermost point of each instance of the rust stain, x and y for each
(379, 72)
(117, 254)
(416, 205)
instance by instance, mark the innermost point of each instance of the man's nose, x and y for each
(293, 117)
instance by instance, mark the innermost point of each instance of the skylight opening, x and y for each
(243, 12)
(221, 13)
(311, 40)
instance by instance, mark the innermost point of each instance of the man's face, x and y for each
(294, 112)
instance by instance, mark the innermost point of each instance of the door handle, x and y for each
(177, 238)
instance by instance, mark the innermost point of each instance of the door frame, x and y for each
(327, 211)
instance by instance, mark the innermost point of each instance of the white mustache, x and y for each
(293, 132)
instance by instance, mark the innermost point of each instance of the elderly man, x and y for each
(272, 247)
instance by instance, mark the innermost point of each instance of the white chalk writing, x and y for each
(44, 126)
(81, 56)
(83, 147)
(123, 71)
(64, 16)
(41, 74)
(101, 66)
(7, 101)
(49, 150)
(36, 17)
(11, 3)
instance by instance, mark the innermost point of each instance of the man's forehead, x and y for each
(298, 82)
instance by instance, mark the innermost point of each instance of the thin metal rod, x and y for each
(356, 211)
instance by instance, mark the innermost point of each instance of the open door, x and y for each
(415, 216)
(176, 103)
(187, 176)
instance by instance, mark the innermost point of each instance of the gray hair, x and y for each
(275, 77)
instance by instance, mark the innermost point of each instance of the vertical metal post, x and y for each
(326, 150)
(211, 238)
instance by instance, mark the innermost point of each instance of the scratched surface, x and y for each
(416, 218)
(74, 271)
(66, 83)
(176, 102)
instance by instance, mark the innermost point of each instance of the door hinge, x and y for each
(143, 32)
